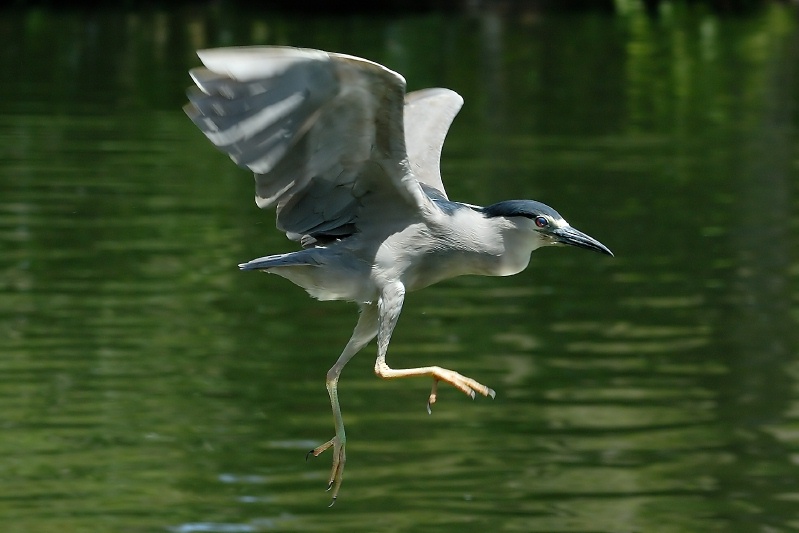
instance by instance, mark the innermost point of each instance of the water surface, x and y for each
(147, 385)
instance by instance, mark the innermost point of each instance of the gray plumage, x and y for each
(351, 165)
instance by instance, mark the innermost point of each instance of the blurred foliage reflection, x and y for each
(148, 385)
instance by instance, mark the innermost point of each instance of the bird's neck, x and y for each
(516, 246)
(496, 246)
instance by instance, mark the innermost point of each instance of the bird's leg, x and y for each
(365, 330)
(433, 397)
(389, 308)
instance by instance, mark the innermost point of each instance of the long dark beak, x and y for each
(569, 235)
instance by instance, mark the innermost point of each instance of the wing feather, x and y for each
(322, 132)
(428, 116)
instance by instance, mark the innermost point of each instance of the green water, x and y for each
(148, 385)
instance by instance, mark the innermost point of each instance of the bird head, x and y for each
(545, 224)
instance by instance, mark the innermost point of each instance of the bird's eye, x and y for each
(541, 222)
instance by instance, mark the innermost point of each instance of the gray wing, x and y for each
(322, 132)
(428, 115)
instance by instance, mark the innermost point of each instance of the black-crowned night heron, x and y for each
(351, 164)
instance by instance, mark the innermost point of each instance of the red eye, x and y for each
(541, 222)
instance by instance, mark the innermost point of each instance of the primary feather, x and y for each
(323, 133)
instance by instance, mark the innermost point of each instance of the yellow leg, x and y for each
(365, 330)
(389, 308)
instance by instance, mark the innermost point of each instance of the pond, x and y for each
(148, 385)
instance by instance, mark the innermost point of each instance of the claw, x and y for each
(339, 460)
(462, 383)
(433, 396)
(466, 385)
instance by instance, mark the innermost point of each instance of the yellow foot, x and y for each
(466, 385)
(339, 460)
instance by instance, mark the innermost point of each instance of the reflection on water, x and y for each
(148, 385)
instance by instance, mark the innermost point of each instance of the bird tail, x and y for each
(301, 258)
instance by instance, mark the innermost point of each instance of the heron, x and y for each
(350, 163)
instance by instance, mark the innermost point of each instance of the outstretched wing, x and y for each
(428, 115)
(322, 132)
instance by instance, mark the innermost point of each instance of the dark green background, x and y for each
(147, 385)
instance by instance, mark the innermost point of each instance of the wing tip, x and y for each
(373, 64)
(245, 63)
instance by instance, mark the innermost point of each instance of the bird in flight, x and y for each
(350, 162)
